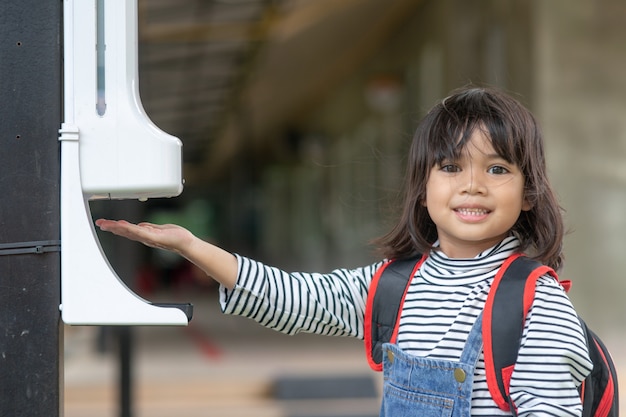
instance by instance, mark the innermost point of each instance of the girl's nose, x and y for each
(473, 182)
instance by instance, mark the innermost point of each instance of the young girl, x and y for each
(476, 192)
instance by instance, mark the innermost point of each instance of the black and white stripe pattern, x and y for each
(445, 298)
(330, 304)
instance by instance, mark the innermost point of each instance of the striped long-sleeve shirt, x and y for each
(444, 299)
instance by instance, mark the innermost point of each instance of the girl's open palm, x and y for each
(217, 263)
(167, 236)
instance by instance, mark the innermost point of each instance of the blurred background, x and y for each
(295, 117)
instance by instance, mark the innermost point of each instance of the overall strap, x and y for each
(510, 297)
(384, 304)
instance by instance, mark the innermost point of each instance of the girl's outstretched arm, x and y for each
(214, 261)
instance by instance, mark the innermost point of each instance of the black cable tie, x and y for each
(36, 247)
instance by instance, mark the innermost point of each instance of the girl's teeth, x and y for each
(472, 212)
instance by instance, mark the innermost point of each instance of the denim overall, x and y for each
(421, 387)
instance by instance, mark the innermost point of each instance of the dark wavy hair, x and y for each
(515, 135)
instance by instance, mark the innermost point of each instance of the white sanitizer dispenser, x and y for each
(109, 149)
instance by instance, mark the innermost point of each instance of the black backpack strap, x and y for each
(599, 392)
(384, 303)
(509, 300)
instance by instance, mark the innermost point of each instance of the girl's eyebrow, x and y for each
(490, 157)
(498, 158)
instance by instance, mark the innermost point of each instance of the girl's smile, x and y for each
(474, 200)
(472, 214)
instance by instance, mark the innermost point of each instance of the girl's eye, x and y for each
(449, 168)
(498, 170)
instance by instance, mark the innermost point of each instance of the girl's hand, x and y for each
(167, 236)
(214, 261)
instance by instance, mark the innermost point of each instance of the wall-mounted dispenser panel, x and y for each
(122, 153)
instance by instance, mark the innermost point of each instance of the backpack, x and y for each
(509, 300)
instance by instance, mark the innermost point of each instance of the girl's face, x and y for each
(475, 200)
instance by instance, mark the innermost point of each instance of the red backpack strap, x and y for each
(510, 297)
(384, 302)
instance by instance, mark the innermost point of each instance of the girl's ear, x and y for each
(526, 205)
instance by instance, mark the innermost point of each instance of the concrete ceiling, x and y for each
(225, 74)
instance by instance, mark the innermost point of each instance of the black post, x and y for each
(125, 336)
(30, 115)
